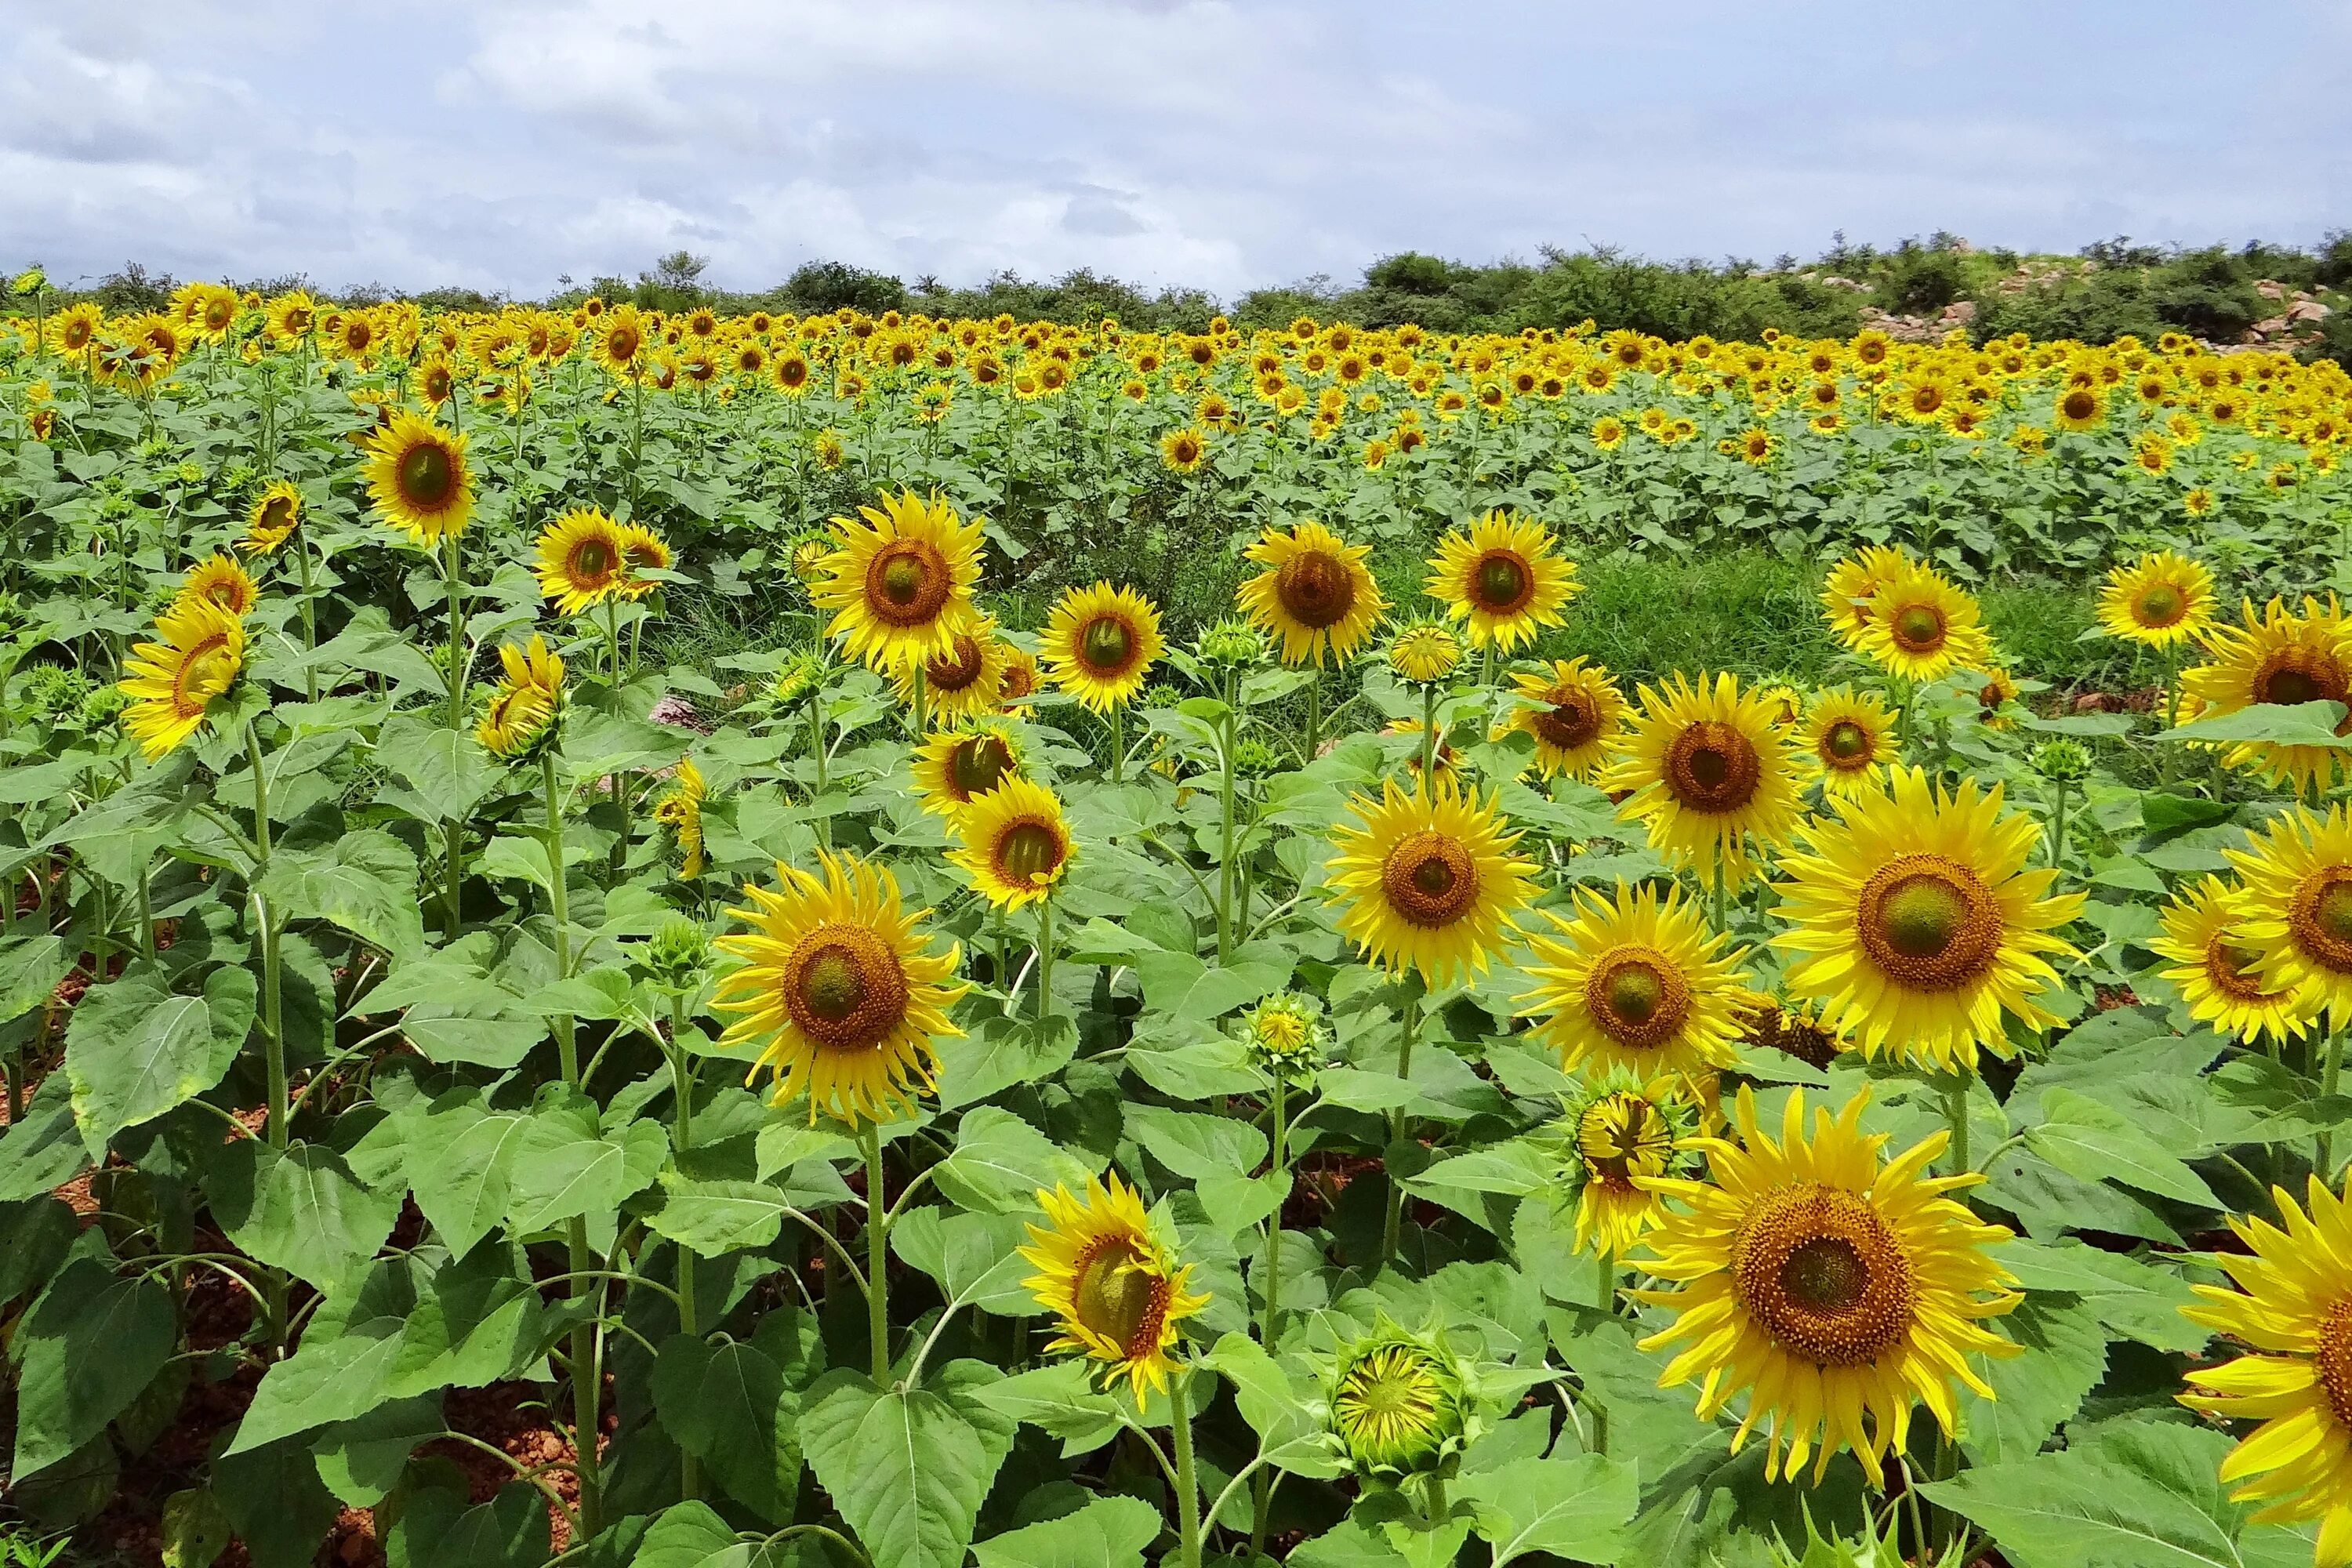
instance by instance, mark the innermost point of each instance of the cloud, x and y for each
(1222, 144)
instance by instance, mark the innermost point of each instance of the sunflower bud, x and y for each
(2062, 761)
(678, 957)
(799, 678)
(1285, 1035)
(1253, 758)
(1232, 644)
(32, 280)
(1424, 652)
(808, 556)
(1400, 1403)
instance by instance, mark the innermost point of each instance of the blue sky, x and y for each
(1226, 145)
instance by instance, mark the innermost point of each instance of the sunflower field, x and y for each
(867, 940)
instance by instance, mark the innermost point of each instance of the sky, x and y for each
(1223, 145)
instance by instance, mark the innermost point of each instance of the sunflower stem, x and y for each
(2332, 1064)
(1429, 740)
(452, 564)
(273, 1020)
(1118, 741)
(1225, 825)
(587, 1341)
(309, 620)
(1956, 1114)
(877, 1244)
(1273, 1224)
(1188, 1491)
(921, 696)
(1044, 962)
(681, 1080)
(1393, 1227)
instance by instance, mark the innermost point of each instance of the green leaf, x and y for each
(1575, 1507)
(715, 1219)
(2094, 1142)
(302, 1210)
(364, 882)
(908, 1468)
(2065, 1355)
(456, 1156)
(1515, 1169)
(445, 770)
(30, 970)
(2285, 724)
(281, 1508)
(90, 1345)
(974, 1256)
(134, 1050)
(1269, 1399)
(1004, 1051)
(728, 1405)
(1109, 1532)
(1179, 986)
(565, 1165)
(197, 1529)
(44, 1151)
(1197, 1145)
(436, 1530)
(1060, 1400)
(2137, 1494)
(360, 1460)
(1001, 1162)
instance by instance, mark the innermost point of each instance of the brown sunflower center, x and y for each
(2234, 972)
(1637, 996)
(203, 675)
(1107, 644)
(1315, 589)
(1430, 879)
(2079, 404)
(277, 512)
(2161, 606)
(845, 988)
(1928, 922)
(426, 475)
(2319, 919)
(958, 668)
(2334, 1360)
(1824, 1275)
(1845, 745)
(1502, 582)
(1119, 1295)
(1712, 767)
(1918, 628)
(979, 765)
(907, 582)
(623, 343)
(1027, 851)
(590, 561)
(1572, 719)
(2293, 675)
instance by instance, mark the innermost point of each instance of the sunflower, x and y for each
(1183, 451)
(965, 679)
(276, 514)
(2293, 1306)
(2219, 974)
(621, 343)
(1852, 736)
(1116, 1286)
(2279, 659)
(956, 767)
(1286, 1035)
(416, 477)
(1014, 843)
(2297, 910)
(1503, 577)
(1574, 710)
(1854, 581)
(1315, 592)
(680, 811)
(523, 707)
(1921, 626)
(1635, 982)
(1100, 644)
(73, 332)
(1835, 1287)
(582, 560)
(1399, 1402)
(1428, 881)
(1425, 652)
(170, 683)
(1914, 923)
(2159, 600)
(901, 582)
(642, 549)
(1619, 1132)
(2079, 408)
(1708, 769)
(1023, 679)
(839, 989)
(224, 582)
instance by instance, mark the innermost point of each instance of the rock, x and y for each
(678, 714)
(2270, 290)
(1960, 312)
(2309, 310)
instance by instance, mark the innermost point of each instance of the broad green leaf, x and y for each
(565, 1165)
(2286, 724)
(30, 968)
(44, 1151)
(2065, 1355)
(975, 1257)
(1000, 1163)
(1109, 1532)
(1002, 1052)
(2094, 1142)
(728, 1404)
(281, 1508)
(907, 1468)
(135, 1050)
(1576, 1509)
(445, 771)
(1196, 1145)
(717, 1217)
(1270, 1399)
(364, 882)
(436, 1530)
(302, 1210)
(89, 1346)
(1060, 1400)
(455, 1155)
(1515, 1169)
(197, 1529)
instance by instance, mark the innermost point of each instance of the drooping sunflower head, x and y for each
(1914, 923)
(1427, 881)
(1315, 592)
(1100, 645)
(224, 582)
(171, 683)
(1791, 1027)
(1400, 1403)
(418, 478)
(1854, 581)
(1839, 1289)
(2159, 600)
(1113, 1284)
(583, 560)
(1424, 652)
(1503, 577)
(899, 579)
(965, 678)
(2280, 658)
(1014, 842)
(958, 766)
(1921, 628)
(1852, 736)
(2219, 974)
(679, 809)
(520, 711)
(839, 987)
(1635, 982)
(1286, 1035)
(276, 514)
(642, 551)
(1575, 712)
(1616, 1133)
(2295, 916)
(1713, 774)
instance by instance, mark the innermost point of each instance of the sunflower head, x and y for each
(1854, 581)
(1112, 1283)
(678, 956)
(519, 717)
(1920, 628)
(1635, 982)
(583, 560)
(1614, 1133)
(1711, 773)
(1428, 881)
(2280, 658)
(2219, 973)
(1286, 1035)
(680, 810)
(170, 684)
(956, 767)
(2159, 600)
(274, 516)
(899, 579)
(2295, 914)
(224, 582)
(1424, 652)
(965, 678)
(1231, 645)
(1574, 711)
(1014, 842)
(1503, 577)
(1400, 1403)
(839, 988)
(1100, 645)
(1851, 737)
(1315, 592)
(417, 477)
